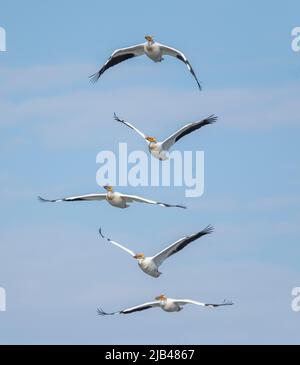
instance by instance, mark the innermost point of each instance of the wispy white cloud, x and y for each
(40, 79)
(78, 113)
(88, 279)
(230, 203)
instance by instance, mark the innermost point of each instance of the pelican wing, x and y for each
(169, 51)
(137, 308)
(189, 301)
(179, 245)
(118, 56)
(135, 198)
(187, 129)
(130, 126)
(76, 198)
(116, 243)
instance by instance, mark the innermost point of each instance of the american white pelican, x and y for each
(160, 149)
(113, 198)
(154, 50)
(167, 304)
(151, 264)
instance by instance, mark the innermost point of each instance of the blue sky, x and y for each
(54, 267)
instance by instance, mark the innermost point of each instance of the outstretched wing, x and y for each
(187, 129)
(169, 51)
(189, 301)
(130, 126)
(179, 245)
(75, 198)
(137, 308)
(118, 56)
(116, 243)
(135, 198)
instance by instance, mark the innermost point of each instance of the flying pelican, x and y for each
(113, 198)
(167, 304)
(154, 50)
(160, 149)
(151, 264)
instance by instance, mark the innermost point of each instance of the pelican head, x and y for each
(161, 297)
(108, 188)
(151, 139)
(139, 256)
(149, 38)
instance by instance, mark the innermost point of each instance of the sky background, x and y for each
(54, 267)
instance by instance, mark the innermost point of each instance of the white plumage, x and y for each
(154, 50)
(166, 304)
(160, 149)
(114, 198)
(151, 264)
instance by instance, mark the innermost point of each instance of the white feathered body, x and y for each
(115, 199)
(156, 149)
(168, 305)
(153, 51)
(149, 267)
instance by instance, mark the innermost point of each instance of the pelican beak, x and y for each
(160, 297)
(151, 139)
(149, 38)
(107, 187)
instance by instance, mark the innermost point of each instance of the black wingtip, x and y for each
(171, 205)
(94, 78)
(181, 206)
(117, 119)
(42, 200)
(219, 305)
(101, 312)
(211, 119)
(226, 302)
(209, 229)
(100, 232)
